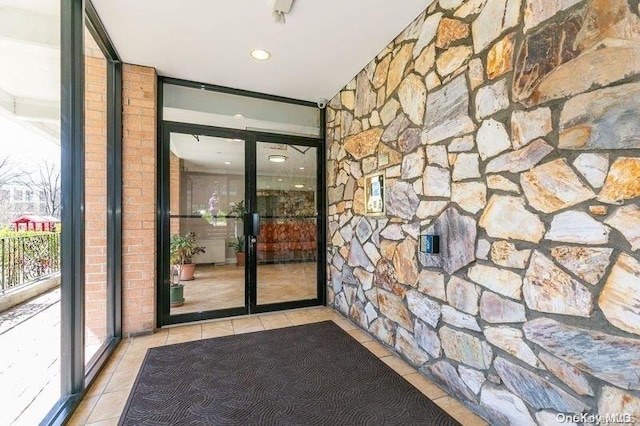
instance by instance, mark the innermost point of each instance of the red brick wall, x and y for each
(139, 97)
(95, 196)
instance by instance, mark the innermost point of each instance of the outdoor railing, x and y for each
(24, 259)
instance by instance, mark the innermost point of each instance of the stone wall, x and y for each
(510, 128)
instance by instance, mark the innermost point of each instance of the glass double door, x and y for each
(242, 225)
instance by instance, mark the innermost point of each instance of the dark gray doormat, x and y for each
(314, 374)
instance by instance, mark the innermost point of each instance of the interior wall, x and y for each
(511, 129)
(139, 206)
(175, 174)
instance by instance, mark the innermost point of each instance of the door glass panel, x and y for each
(206, 197)
(287, 248)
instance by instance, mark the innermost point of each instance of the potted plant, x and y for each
(236, 213)
(238, 246)
(182, 250)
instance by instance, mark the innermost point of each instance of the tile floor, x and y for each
(106, 398)
(222, 286)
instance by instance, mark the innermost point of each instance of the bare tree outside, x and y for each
(45, 180)
(9, 173)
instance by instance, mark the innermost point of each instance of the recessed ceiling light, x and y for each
(301, 168)
(238, 116)
(227, 162)
(238, 140)
(267, 186)
(260, 54)
(299, 185)
(277, 158)
(279, 180)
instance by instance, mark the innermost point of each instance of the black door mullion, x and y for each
(251, 296)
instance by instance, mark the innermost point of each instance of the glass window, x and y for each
(96, 223)
(30, 331)
(197, 106)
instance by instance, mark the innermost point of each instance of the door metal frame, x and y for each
(250, 138)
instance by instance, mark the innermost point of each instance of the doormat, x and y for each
(314, 374)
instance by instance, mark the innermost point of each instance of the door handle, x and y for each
(252, 224)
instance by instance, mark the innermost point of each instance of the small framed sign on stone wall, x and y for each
(374, 194)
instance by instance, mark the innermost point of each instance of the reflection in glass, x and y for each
(196, 106)
(96, 331)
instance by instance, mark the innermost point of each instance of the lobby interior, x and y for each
(509, 129)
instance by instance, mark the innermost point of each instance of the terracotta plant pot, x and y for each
(240, 259)
(188, 270)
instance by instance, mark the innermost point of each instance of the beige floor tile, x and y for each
(217, 332)
(184, 337)
(344, 324)
(377, 348)
(247, 325)
(112, 364)
(100, 384)
(222, 286)
(109, 405)
(459, 411)
(217, 324)
(275, 321)
(429, 389)
(272, 316)
(301, 317)
(398, 365)
(121, 380)
(122, 348)
(360, 335)
(131, 361)
(109, 422)
(83, 411)
(145, 342)
(185, 329)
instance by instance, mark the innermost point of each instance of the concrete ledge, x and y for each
(29, 291)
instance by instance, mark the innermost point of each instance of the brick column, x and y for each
(139, 98)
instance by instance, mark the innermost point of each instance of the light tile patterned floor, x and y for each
(105, 401)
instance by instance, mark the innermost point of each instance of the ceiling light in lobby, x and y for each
(227, 162)
(238, 116)
(277, 158)
(260, 54)
(299, 185)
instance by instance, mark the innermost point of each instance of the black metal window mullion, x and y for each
(74, 376)
(72, 172)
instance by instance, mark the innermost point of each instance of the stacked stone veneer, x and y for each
(511, 128)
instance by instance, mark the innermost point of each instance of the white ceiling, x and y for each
(30, 71)
(323, 44)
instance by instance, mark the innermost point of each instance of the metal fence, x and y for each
(24, 259)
